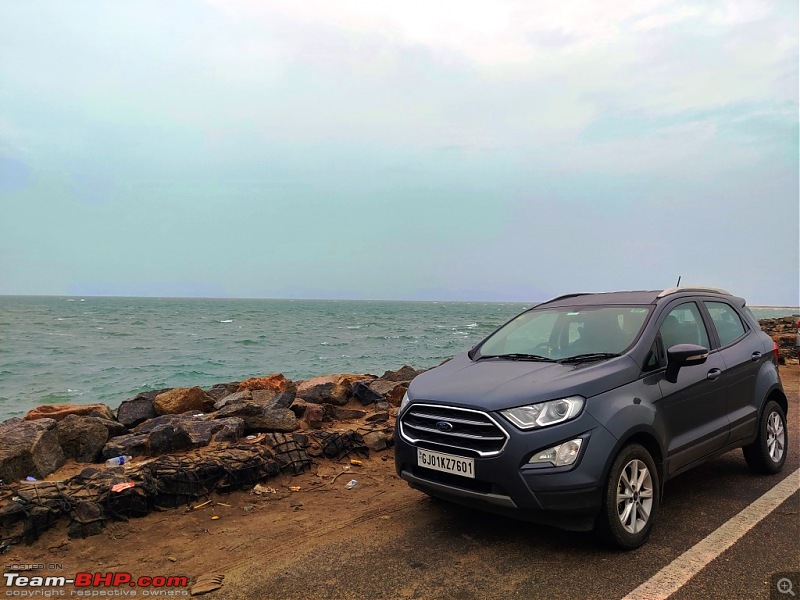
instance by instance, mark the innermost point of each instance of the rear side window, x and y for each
(683, 325)
(726, 321)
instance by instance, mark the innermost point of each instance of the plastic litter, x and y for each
(30, 478)
(294, 488)
(351, 484)
(356, 462)
(122, 486)
(118, 460)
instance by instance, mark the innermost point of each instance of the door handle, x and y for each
(714, 374)
(755, 356)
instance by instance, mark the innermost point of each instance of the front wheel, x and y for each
(630, 499)
(768, 453)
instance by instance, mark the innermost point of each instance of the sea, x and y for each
(82, 350)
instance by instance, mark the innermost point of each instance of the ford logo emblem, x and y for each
(444, 426)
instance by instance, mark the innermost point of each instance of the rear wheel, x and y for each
(768, 453)
(630, 499)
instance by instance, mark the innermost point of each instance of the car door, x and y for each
(742, 353)
(694, 408)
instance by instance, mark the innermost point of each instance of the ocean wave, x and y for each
(226, 321)
(246, 342)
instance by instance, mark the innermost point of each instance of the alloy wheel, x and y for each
(635, 496)
(776, 437)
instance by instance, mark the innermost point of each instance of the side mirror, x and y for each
(683, 355)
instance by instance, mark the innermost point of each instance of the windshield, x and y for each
(564, 333)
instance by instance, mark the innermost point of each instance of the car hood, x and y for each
(495, 384)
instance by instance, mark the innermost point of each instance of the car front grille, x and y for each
(447, 428)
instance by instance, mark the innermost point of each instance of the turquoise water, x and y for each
(82, 350)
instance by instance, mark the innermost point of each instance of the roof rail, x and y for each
(563, 297)
(676, 290)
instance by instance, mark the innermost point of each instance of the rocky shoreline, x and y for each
(189, 442)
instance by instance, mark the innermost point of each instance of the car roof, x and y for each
(633, 297)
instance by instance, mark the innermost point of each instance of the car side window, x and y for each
(684, 325)
(727, 322)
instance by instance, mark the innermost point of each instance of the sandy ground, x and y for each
(376, 540)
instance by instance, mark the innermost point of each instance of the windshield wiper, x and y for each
(518, 356)
(589, 356)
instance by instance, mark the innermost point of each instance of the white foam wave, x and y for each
(227, 321)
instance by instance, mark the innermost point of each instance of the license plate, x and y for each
(457, 465)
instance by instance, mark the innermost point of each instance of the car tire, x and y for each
(768, 453)
(630, 499)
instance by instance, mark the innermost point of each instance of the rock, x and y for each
(81, 438)
(274, 399)
(298, 407)
(404, 374)
(314, 415)
(364, 393)
(381, 406)
(138, 409)
(373, 391)
(257, 417)
(59, 411)
(233, 398)
(378, 417)
(114, 428)
(376, 441)
(324, 390)
(220, 390)
(280, 419)
(395, 397)
(180, 400)
(29, 448)
(171, 433)
(347, 414)
(132, 445)
(348, 379)
(276, 382)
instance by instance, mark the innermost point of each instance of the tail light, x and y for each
(776, 352)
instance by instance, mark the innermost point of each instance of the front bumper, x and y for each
(567, 497)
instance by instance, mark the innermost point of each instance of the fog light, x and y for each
(559, 456)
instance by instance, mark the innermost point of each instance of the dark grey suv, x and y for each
(577, 411)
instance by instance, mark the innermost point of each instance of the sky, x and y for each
(367, 149)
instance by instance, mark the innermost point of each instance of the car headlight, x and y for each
(559, 456)
(544, 414)
(404, 402)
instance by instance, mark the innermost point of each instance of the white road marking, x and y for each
(675, 575)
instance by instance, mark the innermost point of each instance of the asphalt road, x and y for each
(422, 548)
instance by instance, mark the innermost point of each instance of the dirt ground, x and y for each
(273, 534)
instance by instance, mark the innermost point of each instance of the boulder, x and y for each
(29, 448)
(374, 391)
(403, 375)
(59, 411)
(171, 433)
(378, 417)
(395, 397)
(81, 438)
(347, 414)
(180, 400)
(314, 415)
(138, 409)
(258, 417)
(324, 390)
(114, 428)
(298, 407)
(276, 382)
(280, 419)
(376, 441)
(220, 390)
(243, 395)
